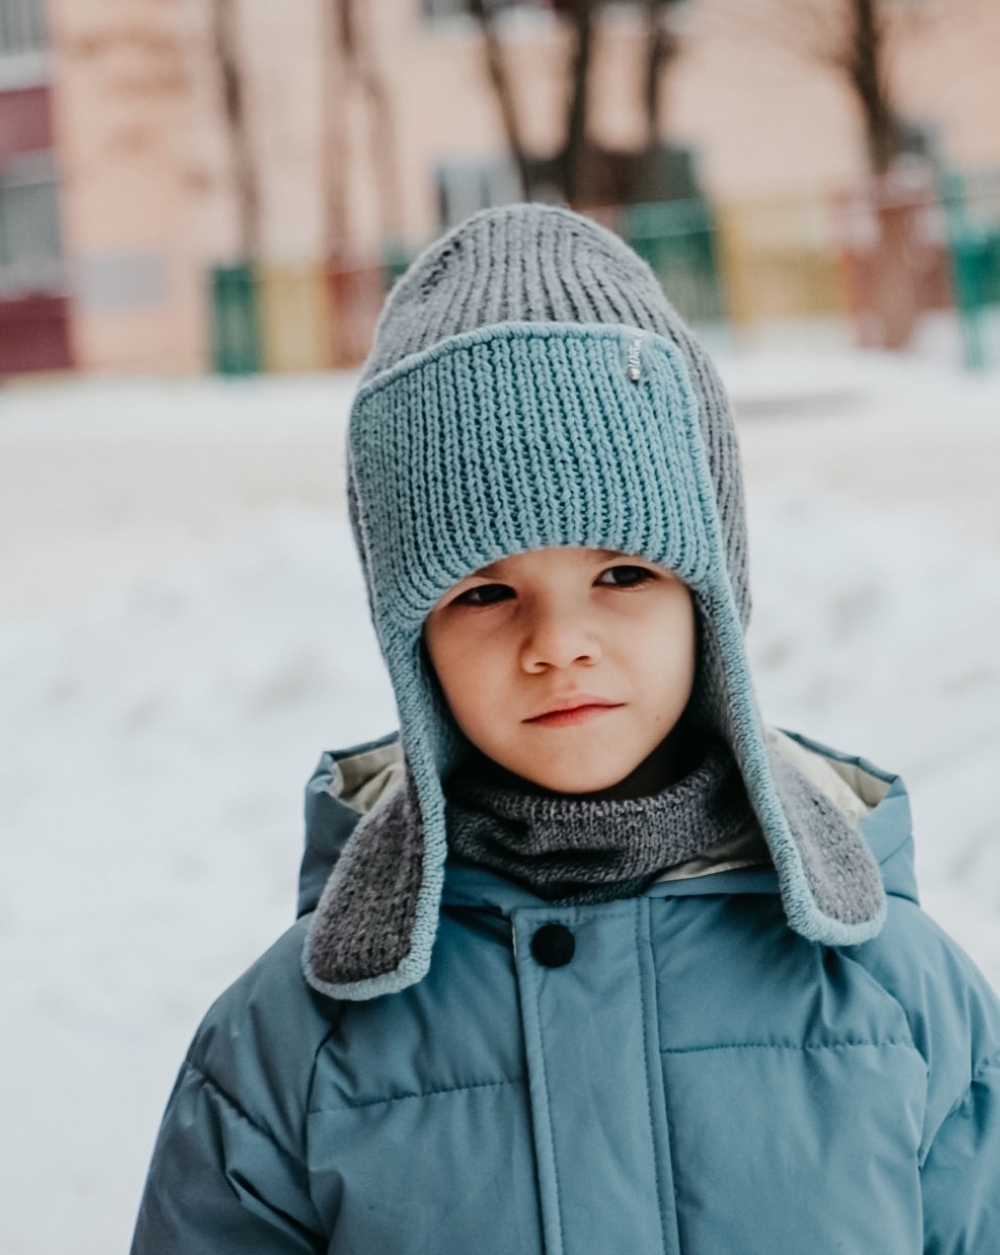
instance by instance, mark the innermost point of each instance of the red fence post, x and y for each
(356, 296)
(894, 257)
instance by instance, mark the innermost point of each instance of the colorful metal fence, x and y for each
(235, 331)
(295, 318)
(971, 204)
(875, 258)
(357, 293)
(678, 240)
(780, 261)
(894, 254)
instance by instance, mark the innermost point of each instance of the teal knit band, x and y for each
(521, 437)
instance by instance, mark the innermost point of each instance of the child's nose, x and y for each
(559, 640)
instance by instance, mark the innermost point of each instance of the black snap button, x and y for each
(553, 945)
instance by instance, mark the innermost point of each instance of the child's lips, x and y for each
(566, 713)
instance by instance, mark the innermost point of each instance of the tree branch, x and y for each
(662, 46)
(582, 14)
(482, 10)
(227, 54)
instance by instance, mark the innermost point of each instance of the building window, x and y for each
(463, 187)
(30, 245)
(25, 122)
(22, 26)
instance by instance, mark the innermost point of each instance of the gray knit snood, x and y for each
(559, 847)
(573, 848)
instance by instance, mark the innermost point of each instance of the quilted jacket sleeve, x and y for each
(220, 1185)
(954, 1017)
(961, 1173)
(228, 1174)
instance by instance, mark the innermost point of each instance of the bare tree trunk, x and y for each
(362, 64)
(851, 37)
(229, 60)
(482, 10)
(582, 170)
(582, 15)
(864, 63)
(334, 128)
(662, 46)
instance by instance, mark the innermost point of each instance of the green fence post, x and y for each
(967, 261)
(235, 330)
(971, 203)
(396, 258)
(677, 239)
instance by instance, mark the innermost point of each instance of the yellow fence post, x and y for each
(780, 261)
(733, 267)
(295, 318)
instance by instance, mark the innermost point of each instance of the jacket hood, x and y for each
(347, 784)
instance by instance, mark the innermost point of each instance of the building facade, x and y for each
(34, 309)
(363, 125)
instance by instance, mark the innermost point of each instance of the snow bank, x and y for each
(880, 634)
(153, 749)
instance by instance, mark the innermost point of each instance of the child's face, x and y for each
(566, 666)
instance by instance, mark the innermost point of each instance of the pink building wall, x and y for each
(123, 114)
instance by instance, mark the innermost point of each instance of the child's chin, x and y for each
(578, 776)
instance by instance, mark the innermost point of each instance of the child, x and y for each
(588, 960)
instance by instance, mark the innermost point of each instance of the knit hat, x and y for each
(531, 386)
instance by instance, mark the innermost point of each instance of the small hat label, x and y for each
(635, 360)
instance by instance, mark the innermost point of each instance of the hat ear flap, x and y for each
(374, 927)
(831, 885)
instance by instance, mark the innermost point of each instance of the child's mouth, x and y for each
(570, 715)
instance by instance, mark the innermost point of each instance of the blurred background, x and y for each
(202, 205)
(229, 185)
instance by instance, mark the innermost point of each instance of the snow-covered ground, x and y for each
(182, 630)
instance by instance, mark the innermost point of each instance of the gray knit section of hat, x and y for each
(537, 263)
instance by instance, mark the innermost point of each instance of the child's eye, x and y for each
(624, 576)
(485, 595)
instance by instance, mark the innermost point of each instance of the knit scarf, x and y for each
(584, 850)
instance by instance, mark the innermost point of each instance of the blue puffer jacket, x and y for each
(696, 1079)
